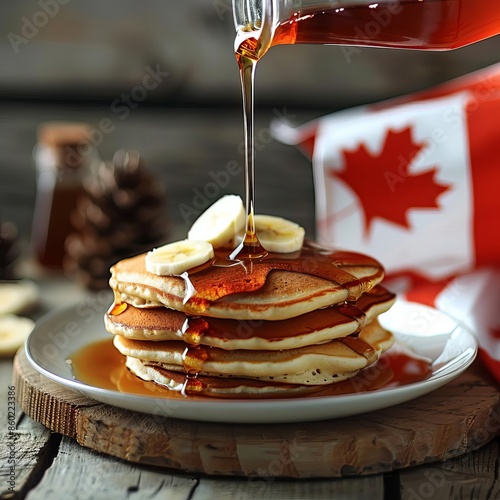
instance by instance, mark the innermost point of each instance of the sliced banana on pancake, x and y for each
(221, 224)
(175, 258)
(279, 235)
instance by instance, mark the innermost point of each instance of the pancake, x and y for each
(275, 288)
(322, 325)
(277, 325)
(318, 364)
(215, 386)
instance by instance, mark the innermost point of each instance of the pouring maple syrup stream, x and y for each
(247, 51)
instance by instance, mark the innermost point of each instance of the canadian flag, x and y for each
(415, 182)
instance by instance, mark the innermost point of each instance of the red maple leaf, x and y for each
(383, 183)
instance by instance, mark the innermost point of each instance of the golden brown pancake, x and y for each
(322, 325)
(216, 386)
(272, 289)
(319, 364)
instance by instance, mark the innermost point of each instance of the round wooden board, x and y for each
(453, 420)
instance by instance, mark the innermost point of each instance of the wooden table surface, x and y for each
(51, 466)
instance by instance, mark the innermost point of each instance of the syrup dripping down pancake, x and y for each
(322, 325)
(319, 364)
(274, 288)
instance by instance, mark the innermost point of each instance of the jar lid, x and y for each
(60, 133)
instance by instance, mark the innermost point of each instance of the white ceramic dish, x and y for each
(424, 330)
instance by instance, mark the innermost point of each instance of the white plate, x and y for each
(424, 330)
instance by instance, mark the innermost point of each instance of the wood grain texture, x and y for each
(474, 476)
(371, 487)
(460, 417)
(26, 449)
(24, 443)
(78, 473)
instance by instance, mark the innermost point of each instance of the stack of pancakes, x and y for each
(270, 327)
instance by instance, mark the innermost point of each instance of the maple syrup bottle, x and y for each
(410, 24)
(63, 155)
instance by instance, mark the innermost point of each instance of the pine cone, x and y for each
(9, 250)
(122, 214)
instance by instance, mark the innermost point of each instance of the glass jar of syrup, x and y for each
(407, 24)
(63, 155)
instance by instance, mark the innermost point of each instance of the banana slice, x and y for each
(279, 235)
(14, 330)
(221, 224)
(18, 296)
(175, 258)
